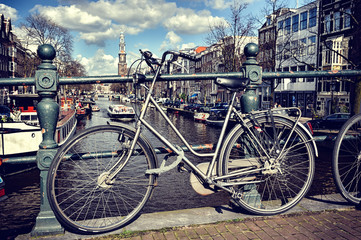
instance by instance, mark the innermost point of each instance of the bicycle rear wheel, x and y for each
(78, 193)
(256, 184)
(346, 160)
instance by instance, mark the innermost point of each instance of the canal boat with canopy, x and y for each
(20, 134)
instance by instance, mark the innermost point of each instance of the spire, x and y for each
(121, 43)
(122, 65)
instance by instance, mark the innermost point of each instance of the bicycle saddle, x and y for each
(233, 84)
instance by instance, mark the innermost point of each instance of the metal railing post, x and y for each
(252, 71)
(46, 84)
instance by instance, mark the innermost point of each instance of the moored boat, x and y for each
(214, 120)
(24, 137)
(95, 108)
(120, 111)
(21, 133)
(200, 116)
(2, 190)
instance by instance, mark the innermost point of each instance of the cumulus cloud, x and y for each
(9, 12)
(99, 20)
(218, 4)
(187, 21)
(171, 41)
(99, 64)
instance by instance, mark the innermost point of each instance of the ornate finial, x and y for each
(46, 52)
(251, 50)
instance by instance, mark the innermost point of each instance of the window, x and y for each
(12, 66)
(312, 45)
(312, 17)
(280, 28)
(303, 21)
(294, 47)
(268, 21)
(337, 17)
(288, 25)
(328, 27)
(303, 43)
(347, 18)
(295, 23)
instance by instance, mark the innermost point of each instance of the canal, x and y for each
(18, 212)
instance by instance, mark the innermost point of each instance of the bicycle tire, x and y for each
(346, 160)
(79, 196)
(278, 188)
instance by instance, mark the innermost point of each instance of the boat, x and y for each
(200, 116)
(214, 120)
(21, 133)
(121, 111)
(95, 108)
(2, 190)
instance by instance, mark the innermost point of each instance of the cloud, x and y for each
(187, 21)
(171, 41)
(97, 21)
(9, 12)
(99, 64)
(101, 20)
(218, 4)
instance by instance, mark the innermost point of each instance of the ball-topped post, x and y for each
(251, 51)
(252, 71)
(46, 53)
(46, 85)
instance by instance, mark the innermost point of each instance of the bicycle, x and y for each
(266, 163)
(346, 160)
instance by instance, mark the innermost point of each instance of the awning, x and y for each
(194, 95)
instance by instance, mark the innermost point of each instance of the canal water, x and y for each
(19, 211)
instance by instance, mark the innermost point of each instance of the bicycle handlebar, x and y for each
(150, 60)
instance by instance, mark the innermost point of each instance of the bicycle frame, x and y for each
(204, 176)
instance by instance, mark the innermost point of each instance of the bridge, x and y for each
(47, 82)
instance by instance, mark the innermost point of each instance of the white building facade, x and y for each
(296, 50)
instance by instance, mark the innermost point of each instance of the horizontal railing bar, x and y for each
(300, 74)
(182, 77)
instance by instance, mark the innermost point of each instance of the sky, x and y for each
(155, 25)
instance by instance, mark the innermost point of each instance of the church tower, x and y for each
(122, 65)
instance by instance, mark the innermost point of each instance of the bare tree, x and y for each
(229, 36)
(42, 30)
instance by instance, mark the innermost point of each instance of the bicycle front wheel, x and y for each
(81, 195)
(272, 171)
(346, 160)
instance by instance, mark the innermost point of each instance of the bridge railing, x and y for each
(47, 82)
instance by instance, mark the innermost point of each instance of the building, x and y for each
(267, 36)
(336, 32)
(296, 50)
(5, 40)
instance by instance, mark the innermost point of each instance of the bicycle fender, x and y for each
(310, 136)
(144, 139)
